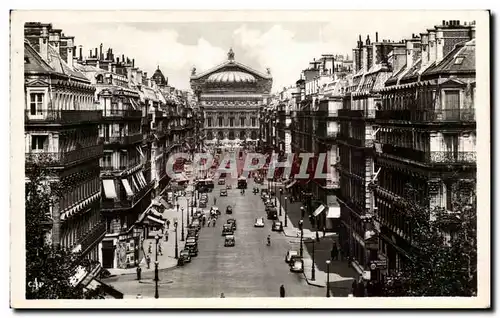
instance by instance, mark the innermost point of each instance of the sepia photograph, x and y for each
(250, 159)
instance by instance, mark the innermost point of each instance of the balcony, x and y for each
(331, 114)
(63, 117)
(111, 168)
(126, 203)
(431, 157)
(351, 113)
(121, 114)
(427, 116)
(92, 237)
(122, 140)
(59, 159)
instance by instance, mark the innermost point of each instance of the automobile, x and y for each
(195, 224)
(255, 190)
(264, 191)
(215, 210)
(191, 240)
(290, 254)
(227, 229)
(221, 181)
(259, 222)
(229, 240)
(223, 193)
(203, 204)
(272, 214)
(193, 233)
(193, 248)
(297, 265)
(264, 196)
(269, 207)
(277, 226)
(185, 255)
(229, 210)
(228, 186)
(232, 222)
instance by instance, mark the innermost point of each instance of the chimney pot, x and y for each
(96, 56)
(81, 54)
(123, 58)
(376, 36)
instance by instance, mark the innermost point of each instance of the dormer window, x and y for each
(99, 79)
(459, 60)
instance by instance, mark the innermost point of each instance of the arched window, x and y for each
(253, 135)
(210, 135)
(231, 135)
(220, 135)
(242, 135)
(99, 79)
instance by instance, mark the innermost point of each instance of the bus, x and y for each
(205, 185)
(242, 183)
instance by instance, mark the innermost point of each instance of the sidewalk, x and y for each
(340, 273)
(167, 260)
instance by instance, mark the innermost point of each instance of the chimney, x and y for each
(101, 56)
(364, 58)
(432, 46)
(90, 53)
(439, 46)
(70, 52)
(133, 62)
(376, 36)
(398, 58)
(81, 53)
(123, 58)
(113, 69)
(117, 60)
(425, 49)
(44, 43)
(96, 56)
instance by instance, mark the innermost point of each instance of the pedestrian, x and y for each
(222, 295)
(354, 288)
(282, 291)
(209, 220)
(168, 224)
(324, 231)
(334, 252)
(150, 248)
(215, 220)
(148, 260)
(215, 200)
(139, 271)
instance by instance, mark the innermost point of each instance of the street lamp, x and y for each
(313, 270)
(157, 238)
(275, 194)
(281, 193)
(327, 277)
(286, 213)
(187, 212)
(176, 244)
(301, 227)
(182, 224)
(302, 210)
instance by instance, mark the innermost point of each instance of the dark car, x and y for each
(193, 233)
(297, 265)
(195, 225)
(229, 240)
(272, 214)
(185, 255)
(229, 210)
(232, 222)
(227, 229)
(193, 248)
(277, 226)
(223, 193)
(203, 204)
(221, 181)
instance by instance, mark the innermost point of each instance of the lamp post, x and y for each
(327, 278)
(176, 243)
(275, 192)
(281, 193)
(187, 212)
(301, 227)
(313, 269)
(302, 209)
(286, 213)
(157, 238)
(182, 224)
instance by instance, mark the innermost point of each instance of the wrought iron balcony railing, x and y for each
(62, 116)
(438, 115)
(429, 157)
(55, 159)
(94, 235)
(351, 113)
(123, 140)
(121, 113)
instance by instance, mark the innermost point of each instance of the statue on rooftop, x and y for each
(230, 55)
(193, 70)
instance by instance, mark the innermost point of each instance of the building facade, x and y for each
(61, 133)
(230, 96)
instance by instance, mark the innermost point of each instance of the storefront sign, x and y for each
(380, 264)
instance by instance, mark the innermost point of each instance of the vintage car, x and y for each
(203, 204)
(229, 240)
(229, 210)
(192, 247)
(227, 229)
(259, 222)
(185, 255)
(255, 190)
(228, 186)
(277, 226)
(297, 265)
(195, 225)
(290, 254)
(232, 222)
(221, 181)
(272, 214)
(191, 240)
(223, 193)
(193, 233)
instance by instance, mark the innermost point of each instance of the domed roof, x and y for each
(231, 77)
(158, 77)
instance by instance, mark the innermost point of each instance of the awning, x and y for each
(333, 212)
(155, 213)
(127, 187)
(288, 186)
(319, 210)
(135, 183)
(156, 220)
(141, 178)
(164, 203)
(109, 189)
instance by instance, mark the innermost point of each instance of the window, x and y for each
(254, 121)
(231, 122)
(452, 99)
(220, 122)
(39, 142)
(36, 103)
(459, 60)
(209, 122)
(242, 121)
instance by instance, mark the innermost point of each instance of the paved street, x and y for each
(251, 268)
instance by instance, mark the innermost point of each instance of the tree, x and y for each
(48, 268)
(444, 255)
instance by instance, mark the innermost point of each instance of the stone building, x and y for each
(230, 95)
(61, 133)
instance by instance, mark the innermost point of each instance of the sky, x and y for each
(284, 46)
